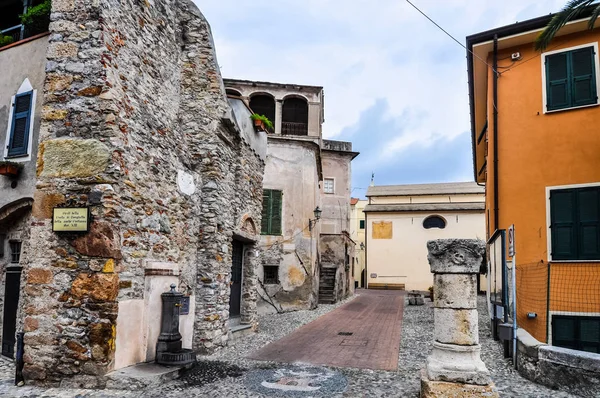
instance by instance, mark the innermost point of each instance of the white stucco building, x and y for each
(400, 219)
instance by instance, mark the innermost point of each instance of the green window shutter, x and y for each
(362, 224)
(562, 223)
(583, 79)
(276, 212)
(19, 131)
(557, 81)
(588, 231)
(266, 213)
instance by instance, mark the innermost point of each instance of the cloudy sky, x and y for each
(395, 85)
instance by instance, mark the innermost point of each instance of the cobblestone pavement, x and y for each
(231, 374)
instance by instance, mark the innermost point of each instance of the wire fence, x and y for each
(532, 298)
(559, 303)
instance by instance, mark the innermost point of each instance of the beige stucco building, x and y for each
(301, 264)
(400, 219)
(357, 233)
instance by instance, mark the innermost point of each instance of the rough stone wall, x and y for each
(137, 127)
(18, 231)
(334, 249)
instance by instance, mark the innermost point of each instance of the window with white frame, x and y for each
(575, 223)
(329, 185)
(570, 78)
(20, 123)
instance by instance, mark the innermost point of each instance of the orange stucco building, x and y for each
(536, 147)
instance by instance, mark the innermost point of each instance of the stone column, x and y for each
(454, 368)
(278, 116)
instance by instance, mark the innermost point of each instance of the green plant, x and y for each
(571, 11)
(5, 40)
(37, 19)
(264, 119)
(19, 166)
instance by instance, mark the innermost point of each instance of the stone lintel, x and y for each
(444, 389)
(455, 256)
(458, 291)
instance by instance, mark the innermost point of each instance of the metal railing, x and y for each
(292, 128)
(16, 32)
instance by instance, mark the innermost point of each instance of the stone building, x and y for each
(124, 113)
(302, 262)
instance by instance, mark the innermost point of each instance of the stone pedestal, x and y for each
(454, 368)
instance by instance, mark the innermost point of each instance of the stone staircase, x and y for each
(327, 286)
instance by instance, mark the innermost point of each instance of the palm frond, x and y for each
(594, 17)
(570, 11)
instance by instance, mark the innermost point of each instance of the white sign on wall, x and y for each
(511, 241)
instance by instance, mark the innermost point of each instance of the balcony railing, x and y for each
(292, 128)
(16, 32)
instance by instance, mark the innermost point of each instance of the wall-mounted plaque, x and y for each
(71, 219)
(185, 305)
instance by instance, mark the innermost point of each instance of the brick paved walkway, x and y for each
(364, 333)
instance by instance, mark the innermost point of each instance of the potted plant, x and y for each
(10, 169)
(5, 40)
(37, 19)
(262, 122)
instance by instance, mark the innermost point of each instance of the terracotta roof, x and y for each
(353, 201)
(446, 188)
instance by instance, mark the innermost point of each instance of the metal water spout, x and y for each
(169, 349)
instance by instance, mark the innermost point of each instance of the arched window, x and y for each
(235, 93)
(295, 116)
(434, 222)
(263, 105)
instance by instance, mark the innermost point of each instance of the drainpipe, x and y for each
(495, 103)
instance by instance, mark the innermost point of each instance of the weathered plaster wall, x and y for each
(137, 127)
(292, 168)
(26, 61)
(401, 256)
(336, 206)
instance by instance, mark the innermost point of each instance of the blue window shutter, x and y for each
(583, 79)
(21, 122)
(557, 81)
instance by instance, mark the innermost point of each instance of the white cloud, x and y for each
(364, 50)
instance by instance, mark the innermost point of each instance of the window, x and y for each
(576, 332)
(294, 115)
(570, 78)
(271, 212)
(15, 252)
(434, 222)
(20, 126)
(362, 224)
(271, 275)
(575, 223)
(328, 185)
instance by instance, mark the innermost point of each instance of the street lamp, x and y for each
(311, 223)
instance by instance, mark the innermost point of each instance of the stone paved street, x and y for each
(231, 374)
